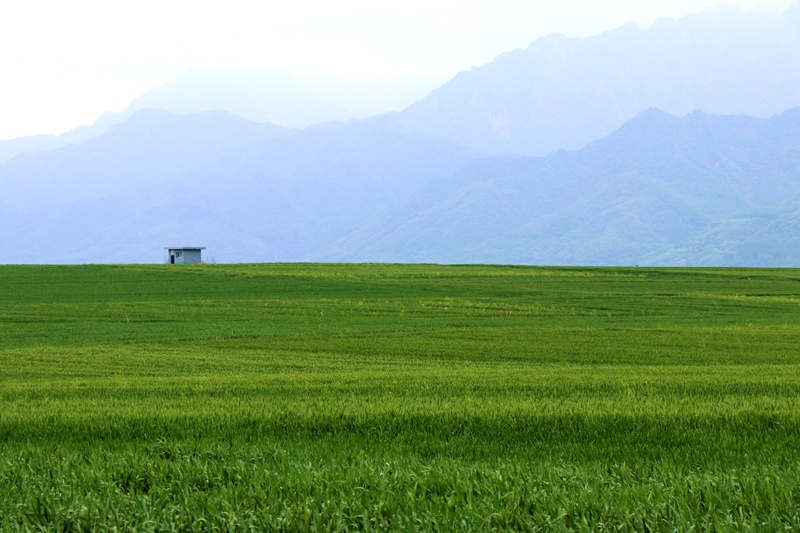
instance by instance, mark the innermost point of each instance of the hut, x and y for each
(185, 255)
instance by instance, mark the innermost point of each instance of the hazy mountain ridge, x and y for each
(557, 93)
(661, 190)
(274, 96)
(152, 146)
(564, 93)
(250, 191)
(701, 189)
(43, 143)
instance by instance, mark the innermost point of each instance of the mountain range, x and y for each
(675, 145)
(558, 93)
(661, 190)
(702, 189)
(275, 96)
(562, 93)
(249, 190)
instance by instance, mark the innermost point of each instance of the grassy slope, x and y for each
(401, 397)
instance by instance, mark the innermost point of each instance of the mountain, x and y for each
(559, 93)
(701, 190)
(661, 190)
(42, 143)
(562, 93)
(145, 152)
(274, 96)
(761, 237)
(640, 186)
(278, 96)
(247, 191)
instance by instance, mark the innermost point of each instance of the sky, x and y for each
(65, 63)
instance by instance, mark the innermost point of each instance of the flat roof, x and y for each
(184, 247)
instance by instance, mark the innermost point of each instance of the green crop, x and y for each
(398, 397)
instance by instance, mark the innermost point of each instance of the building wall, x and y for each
(186, 257)
(191, 256)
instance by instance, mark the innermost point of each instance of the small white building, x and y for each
(185, 255)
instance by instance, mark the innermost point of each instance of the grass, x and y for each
(398, 397)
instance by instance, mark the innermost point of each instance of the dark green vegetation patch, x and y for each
(342, 397)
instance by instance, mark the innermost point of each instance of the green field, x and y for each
(398, 397)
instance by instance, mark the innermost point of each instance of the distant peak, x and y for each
(648, 121)
(547, 42)
(629, 26)
(653, 113)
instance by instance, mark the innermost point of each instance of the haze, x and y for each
(66, 63)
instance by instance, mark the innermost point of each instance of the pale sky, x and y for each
(64, 63)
